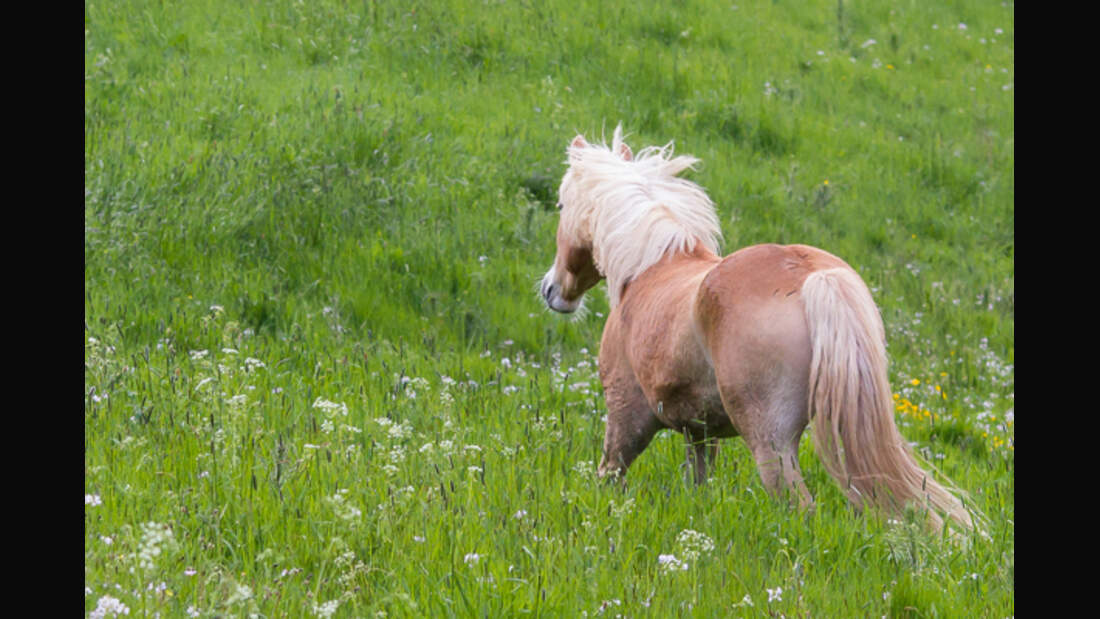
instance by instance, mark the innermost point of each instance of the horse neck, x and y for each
(675, 265)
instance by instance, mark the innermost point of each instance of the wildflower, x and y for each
(775, 595)
(331, 408)
(915, 382)
(241, 594)
(344, 510)
(868, 43)
(156, 540)
(327, 609)
(108, 604)
(193, 612)
(190, 571)
(669, 563)
(693, 544)
(471, 558)
(92, 499)
(520, 514)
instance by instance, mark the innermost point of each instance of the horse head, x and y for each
(574, 270)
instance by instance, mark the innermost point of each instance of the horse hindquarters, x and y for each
(850, 402)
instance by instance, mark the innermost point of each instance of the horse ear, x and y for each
(625, 152)
(578, 142)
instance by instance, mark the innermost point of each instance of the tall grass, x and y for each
(318, 379)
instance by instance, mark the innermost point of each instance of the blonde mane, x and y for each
(633, 210)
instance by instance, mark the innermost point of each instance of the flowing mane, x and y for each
(633, 209)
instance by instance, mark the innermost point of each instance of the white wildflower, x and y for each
(471, 558)
(156, 540)
(694, 544)
(108, 604)
(241, 594)
(198, 354)
(330, 408)
(775, 595)
(344, 509)
(669, 563)
(585, 469)
(327, 609)
(92, 499)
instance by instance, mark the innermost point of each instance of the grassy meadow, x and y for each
(319, 380)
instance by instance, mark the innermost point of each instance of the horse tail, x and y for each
(851, 407)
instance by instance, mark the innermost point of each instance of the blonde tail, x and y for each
(851, 407)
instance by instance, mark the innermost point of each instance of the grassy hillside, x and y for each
(318, 378)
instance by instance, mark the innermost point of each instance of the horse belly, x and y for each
(678, 382)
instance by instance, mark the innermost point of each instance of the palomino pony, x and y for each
(757, 344)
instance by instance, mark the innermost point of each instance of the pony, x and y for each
(757, 344)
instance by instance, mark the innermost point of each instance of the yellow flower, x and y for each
(915, 381)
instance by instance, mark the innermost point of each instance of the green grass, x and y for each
(292, 204)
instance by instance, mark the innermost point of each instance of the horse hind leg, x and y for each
(780, 473)
(773, 441)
